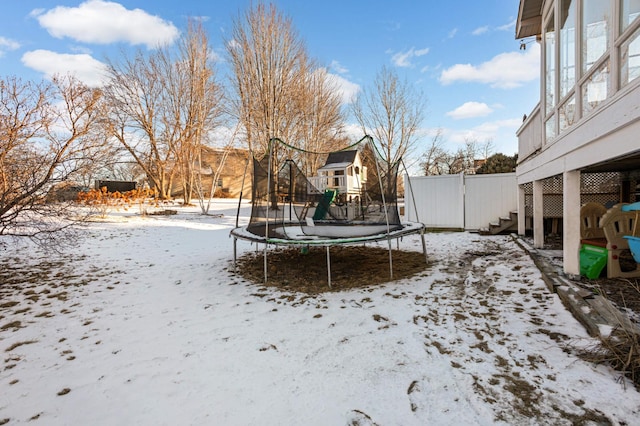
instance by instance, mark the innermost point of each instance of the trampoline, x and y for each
(352, 199)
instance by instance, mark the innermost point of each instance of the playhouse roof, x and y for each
(347, 157)
(334, 166)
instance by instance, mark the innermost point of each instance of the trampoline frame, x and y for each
(408, 228)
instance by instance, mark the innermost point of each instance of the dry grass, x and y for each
(621, 348)
(621, 351)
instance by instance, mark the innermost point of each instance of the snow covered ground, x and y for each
(144, 322)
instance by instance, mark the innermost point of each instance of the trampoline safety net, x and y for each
(353, 195)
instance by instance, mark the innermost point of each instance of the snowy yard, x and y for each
(144, 322)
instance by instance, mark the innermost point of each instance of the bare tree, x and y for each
(162, 106)
(45, 138)
(321, 118)
(215, 170)
(474, 154)
(436, 160)
(432, 159)
(391, 112)
(269, 62)
(134, 97)
(469, 154)
(196, 102)
(487, 148)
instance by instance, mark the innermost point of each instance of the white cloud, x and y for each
(103, 22)
(403, 59)
(233, 44)
(337, 67)
(222, 135)
(470, 110)
(7, 44)
(508, 26)
(486, 28)
(504, 71)
(348, 90)
(480, 30)
(217, 55)
(80, 49)
(488, 130)
(452, 33)
(83, 66)
(494, 126)
(353, 132)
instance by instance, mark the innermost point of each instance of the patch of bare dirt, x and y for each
(300, 270)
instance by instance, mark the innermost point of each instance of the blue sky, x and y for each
(460, 53)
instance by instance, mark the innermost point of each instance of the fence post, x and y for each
(463, 201)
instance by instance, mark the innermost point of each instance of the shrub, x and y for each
(103, 201)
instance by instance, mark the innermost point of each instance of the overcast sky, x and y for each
(461, 54)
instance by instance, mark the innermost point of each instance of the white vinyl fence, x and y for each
(467, 202)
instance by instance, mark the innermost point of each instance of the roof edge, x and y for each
(529, 22)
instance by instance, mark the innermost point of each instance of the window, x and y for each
(550, 65)
(595, 89)
(630, 59)
(337, 180)
(550, 128)
(567, 46)
(567, 113)
(594, 38)
(595, 31)
(629, 12)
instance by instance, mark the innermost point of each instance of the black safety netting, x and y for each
(353, 195)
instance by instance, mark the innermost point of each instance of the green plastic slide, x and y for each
(323, 206)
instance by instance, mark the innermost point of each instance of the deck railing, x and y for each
(530, 134)
(344, 184)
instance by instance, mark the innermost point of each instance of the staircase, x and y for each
(504, 224)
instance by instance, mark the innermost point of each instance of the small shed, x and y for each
(116, 185)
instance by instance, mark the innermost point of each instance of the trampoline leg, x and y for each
(424, 248)
(390, 261)
(328, 267)
(265, 263)
(235, 243)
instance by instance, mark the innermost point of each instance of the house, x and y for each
(343, 171)
(231, 181)
(231, 177)
(581, 143)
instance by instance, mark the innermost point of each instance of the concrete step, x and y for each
(505, 223)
